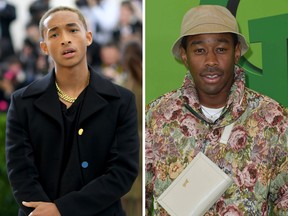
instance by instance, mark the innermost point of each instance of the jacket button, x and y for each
(80, 131)
(84, 164)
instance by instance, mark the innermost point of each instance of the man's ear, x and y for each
(183, 56)
(44, 48)
(89, 38)
(237, 53)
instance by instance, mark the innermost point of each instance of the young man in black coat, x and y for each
(71, 143)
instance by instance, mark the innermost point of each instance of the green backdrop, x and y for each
(263, 22)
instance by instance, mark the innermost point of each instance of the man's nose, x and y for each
(65, 40)
(211, 59)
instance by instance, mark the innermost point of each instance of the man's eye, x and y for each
(221, 50)
(53, 35)
(74, 30)
(199, 51)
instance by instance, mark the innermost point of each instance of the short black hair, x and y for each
(60, 8)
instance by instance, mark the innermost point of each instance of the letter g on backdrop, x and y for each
(265, 25)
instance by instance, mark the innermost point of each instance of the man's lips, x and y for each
(68, 51)
(211, 74)
(211, 77)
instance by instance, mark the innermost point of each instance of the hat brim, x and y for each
(177, 44)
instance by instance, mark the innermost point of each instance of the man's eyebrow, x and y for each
(53, 29)
(221, 40)
(197, 42)
(71, 24)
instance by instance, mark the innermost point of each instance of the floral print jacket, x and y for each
(255, 155)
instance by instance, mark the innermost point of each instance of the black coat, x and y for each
(108, 142)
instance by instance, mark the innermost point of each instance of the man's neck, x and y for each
(213, 101)
(72, 81)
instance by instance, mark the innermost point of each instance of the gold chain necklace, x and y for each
(66, 97)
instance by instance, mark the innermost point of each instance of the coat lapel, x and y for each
(47, 100)
(98, 95)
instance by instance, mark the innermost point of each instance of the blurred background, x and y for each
(116, 53)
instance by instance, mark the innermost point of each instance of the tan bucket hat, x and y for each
(205, 19)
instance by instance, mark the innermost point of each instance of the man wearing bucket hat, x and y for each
(238, 129)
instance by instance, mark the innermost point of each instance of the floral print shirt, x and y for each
(255, 155)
